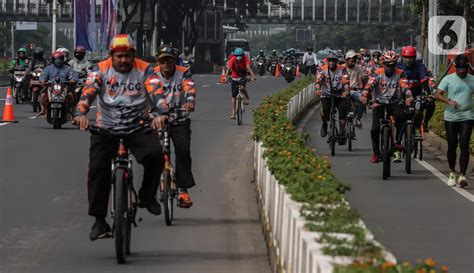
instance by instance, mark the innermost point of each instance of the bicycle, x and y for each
(386, 140)
(168, 189)
(124, 199)
(240, 108)
(333, 131)
(413, 141)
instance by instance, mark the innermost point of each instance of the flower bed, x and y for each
(309, 180)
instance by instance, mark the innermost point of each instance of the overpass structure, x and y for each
(315, 12)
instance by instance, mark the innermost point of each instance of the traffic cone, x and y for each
(298, 73)
(223, 80)
(8, 115)
(277, 71)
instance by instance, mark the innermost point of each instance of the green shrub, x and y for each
(307, 177)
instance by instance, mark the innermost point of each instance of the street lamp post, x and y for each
(53, 34)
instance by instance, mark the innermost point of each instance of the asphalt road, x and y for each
(43, 204)
(415, 216)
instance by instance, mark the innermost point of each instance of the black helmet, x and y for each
(310, 48)
(187, 49)
(376, 54)
(38, 53)
(261, 52)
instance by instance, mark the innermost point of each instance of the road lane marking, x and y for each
(2, 99)
(444, 179)
(4, 123)
(33, 117)
(206, 85)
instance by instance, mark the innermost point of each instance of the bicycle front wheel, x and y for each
(350, 129)
(240, 111)
(409, 146)
(333, 138)
(120, 215)
(168, 206)
(386, 135)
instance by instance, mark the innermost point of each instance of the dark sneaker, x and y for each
(324, 129)
(184, 200)
(100, 230)
(358, 124)
(152, 206)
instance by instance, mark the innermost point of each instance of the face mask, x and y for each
(58, 62)
(80, 57)
(238, 58)
(409, 62)
(389, 71)
(462, 75)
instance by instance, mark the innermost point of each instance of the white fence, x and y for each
(293, 249)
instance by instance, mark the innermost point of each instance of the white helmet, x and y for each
(65, 51)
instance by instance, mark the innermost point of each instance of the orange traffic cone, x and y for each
(8, 115)
(298, 73)
(223, 79)
(277, 71)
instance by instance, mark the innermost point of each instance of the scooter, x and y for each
(19, 76)
(35, 88)
(289, 72)
(261, 67)
(56, 108)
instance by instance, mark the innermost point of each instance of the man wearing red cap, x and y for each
(123, 102)
(417, 77)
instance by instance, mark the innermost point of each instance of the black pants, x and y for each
(458, 132)
(181, 137)
(400, 116)
(147, 150)
(310, 69)
(428, 107)
(342, 104)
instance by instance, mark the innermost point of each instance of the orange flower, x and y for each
(406, 264)
(422, 270)
(444, 269)
(430, 262)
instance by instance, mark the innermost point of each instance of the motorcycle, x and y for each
(80, 84)
(35, 88)
(19, 77)
(56, 108)
(261, 67)
(273, 66)
(289, 72)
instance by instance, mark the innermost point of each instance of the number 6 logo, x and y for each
(446, 34)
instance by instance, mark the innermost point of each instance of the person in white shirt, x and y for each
(310, 61)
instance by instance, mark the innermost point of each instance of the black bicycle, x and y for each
(168, 189)
(386, 140)
(124, 197)
(333, 135)
(350, 129)
(413, 139)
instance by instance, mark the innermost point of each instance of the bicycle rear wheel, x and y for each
(409, 146)
(350, 129)
(420, 148)
(121, 222)
(386, 152)
(239, 110)
(166, 196)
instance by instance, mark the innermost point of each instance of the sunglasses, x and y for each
(332, 60)
(389, 64)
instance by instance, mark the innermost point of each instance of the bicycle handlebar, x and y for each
(96, 130)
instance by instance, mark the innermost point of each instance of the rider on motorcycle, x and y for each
(418, 80)
(274, 56)
(290, 57)
(187, 56)
(333, 80)
(123, 101)
(387, 92)
(79, 63)
(21, 62)
(38, 60)
(173, 85)
(57, 69)
(239, 65)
